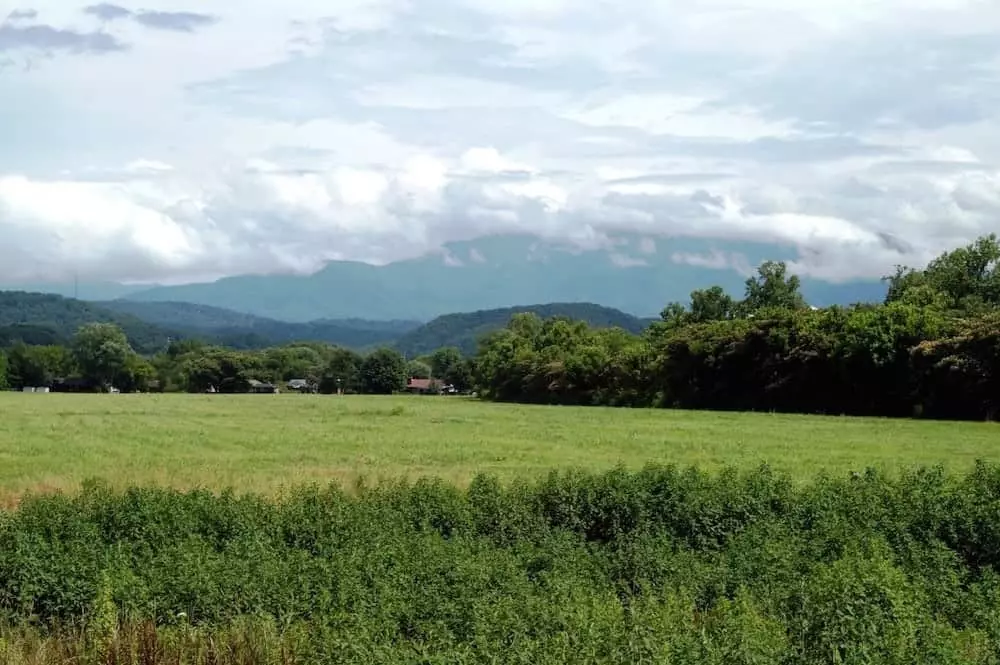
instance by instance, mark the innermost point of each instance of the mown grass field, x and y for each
(264, 442)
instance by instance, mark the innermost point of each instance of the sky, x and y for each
(183, 140)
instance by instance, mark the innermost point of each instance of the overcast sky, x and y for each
(193, 138)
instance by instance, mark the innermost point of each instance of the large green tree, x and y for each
(383, 372)
(417, 369)
(450, 366)
(444, 359)
(343, 371)
(3, 371)
(102, 353)
(965, 279)
(712, 304)
(35, 366)
(772, 288)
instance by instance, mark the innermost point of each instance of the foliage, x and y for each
(914, 355)
(416, 369)
(966, 279)
(246, 331)
(342, 372)
(34, 366)
(657, 565)
(450, 366)
(102, 352)
(463, 331)
(4, 385)
(36, 318)
(772, 288)
(383, 372)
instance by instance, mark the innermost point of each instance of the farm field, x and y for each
(262, 443)
(611, 566)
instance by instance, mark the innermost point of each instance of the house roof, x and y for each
(422, 384)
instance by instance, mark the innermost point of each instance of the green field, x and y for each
(265, 442)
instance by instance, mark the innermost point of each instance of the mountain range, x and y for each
(37, 318)
(636, 275)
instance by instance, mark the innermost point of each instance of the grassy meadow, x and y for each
(641, 564)
(262, 443)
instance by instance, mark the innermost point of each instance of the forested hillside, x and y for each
(464, 330)
(43, 319)
(246, 331)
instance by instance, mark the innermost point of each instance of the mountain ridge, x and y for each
(241, 329)
(500, 272)
(38, 318)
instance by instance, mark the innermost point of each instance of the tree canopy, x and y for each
(102, 352)
(383, 372)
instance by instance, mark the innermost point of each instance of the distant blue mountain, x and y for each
(638, 277)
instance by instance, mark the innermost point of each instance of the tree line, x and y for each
(100, 358)
(932, 348)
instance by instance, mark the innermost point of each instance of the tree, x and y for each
(383, 372)
(35, 366)
(444, 360)
(3, 371)
(418, 370)
(294, 362)
(343, 371)
(968, 278)
(712, 304)
(202, 372)
(772, 288)
(448, 365)
(137, 375)
(102, 352)
(461, 375)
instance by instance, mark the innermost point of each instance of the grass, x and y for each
(263, 442)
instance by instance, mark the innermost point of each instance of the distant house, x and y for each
(424, 386)
(301, 386)
(261, 387)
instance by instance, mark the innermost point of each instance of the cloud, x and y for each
(107, 12)
(626, 261)
(853, 136)
(647, 246)
(22, 14)
(47, 39)
(176, 21)
(716, 259)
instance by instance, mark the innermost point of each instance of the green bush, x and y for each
(657, 565)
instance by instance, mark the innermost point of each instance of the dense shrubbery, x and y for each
(933, 348)
(661, 565)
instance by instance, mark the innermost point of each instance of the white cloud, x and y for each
(626, 261)
(715, 259)
(862, 134)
